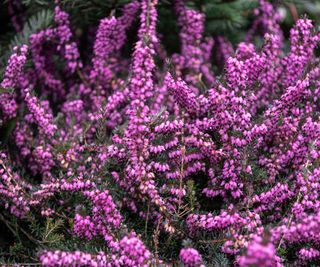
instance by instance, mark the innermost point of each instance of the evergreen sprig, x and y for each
(40, 20)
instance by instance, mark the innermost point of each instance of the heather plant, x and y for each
(118, 149)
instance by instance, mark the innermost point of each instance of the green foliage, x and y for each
(224, 17)
(36, 2)
(220, 260)
(191, 194)
(228, 18)
(38, 21)
(51, 231)
(5, 131)
(6, 90)
(91, 10)
(168, 28)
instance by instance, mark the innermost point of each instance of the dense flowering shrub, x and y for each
(156, 160)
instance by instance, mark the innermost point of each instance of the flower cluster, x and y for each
(10, 80)
(190, 257)
(133, 252)
(62, 258)
(260, 254)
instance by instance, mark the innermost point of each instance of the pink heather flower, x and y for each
(66, 45)
(61, 37)
(77, 258)
(294, 63)
(13, 73)
(15, 67)
(209, 222)
(192, 26)
(190, 257)
(17, 14)
(268, 19)
(41, 117)
(307, 254)
(13, 189)
(133, 252)
(141, 83)
(110, 37)
(84, 227)
(182, 93)
(224, 50)
(259, 254)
